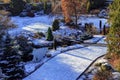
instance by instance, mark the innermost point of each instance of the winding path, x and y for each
(68, 65)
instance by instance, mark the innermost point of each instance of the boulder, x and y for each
(30, 14)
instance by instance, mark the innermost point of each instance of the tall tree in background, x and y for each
(73, 8)
(96, 4)
(113, 38)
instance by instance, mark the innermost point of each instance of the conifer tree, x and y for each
(113, 38)
(49, 34)
(10, 61)
(55, 25)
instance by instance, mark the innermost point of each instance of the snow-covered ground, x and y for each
(41, 23)
(94, 20)
(96, 39)
(68, 65)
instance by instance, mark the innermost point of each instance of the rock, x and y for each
(116, 76)
(23, 14)
(30, 14)
(106, 66)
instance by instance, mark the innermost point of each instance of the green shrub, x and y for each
(113, 38)
(49, 34)
(55, 25)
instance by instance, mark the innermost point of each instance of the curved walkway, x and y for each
(68, 65)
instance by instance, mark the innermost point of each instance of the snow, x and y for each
(64, 49)
(95, 39)
(35, 24)
(102, 41)
(41, 23)
(39, 54)
(68, 65)
(67, 32)
(94, 20)
(29, 67)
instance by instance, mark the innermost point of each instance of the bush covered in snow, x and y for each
(10, 61)
(25, 48)
(14, 51)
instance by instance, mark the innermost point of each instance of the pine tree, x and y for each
(49, 34)
(55, 25)
(113, 38)
(16, 6)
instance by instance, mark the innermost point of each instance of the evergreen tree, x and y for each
(96, 4)
(45, 7)
(49, 34)
(55, 25)
(25, 48)
(10, 62)
(16, 6)
(113, 38)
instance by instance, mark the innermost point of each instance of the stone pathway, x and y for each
(68, 65)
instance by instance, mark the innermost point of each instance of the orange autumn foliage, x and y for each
(73, 8)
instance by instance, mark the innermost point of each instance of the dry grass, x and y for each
(115, 61)
(90, 29)
(4, 13)
(103, 75)
(5, 23)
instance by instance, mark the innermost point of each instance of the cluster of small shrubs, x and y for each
(103, 75)
(90, 29)
(104, 71)
(14, 52)
(55, 26)
(39, 35)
